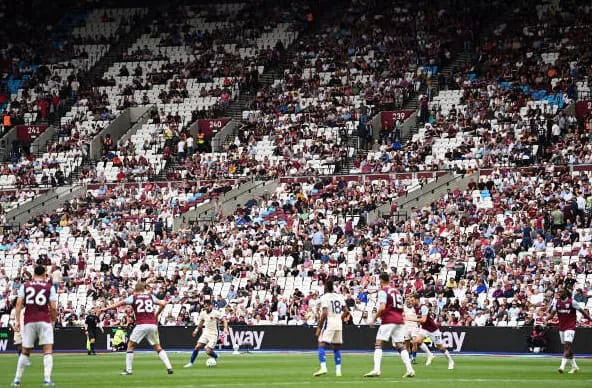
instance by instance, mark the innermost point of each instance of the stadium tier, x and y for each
(486, 182)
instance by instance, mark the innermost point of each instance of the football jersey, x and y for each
(393, 301)
(429, 325)
(566, 312)
(37, 295)
(334, 304)
(410, 317)
(144, 306)
(210, 320)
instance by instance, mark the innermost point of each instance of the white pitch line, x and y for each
(427, 380)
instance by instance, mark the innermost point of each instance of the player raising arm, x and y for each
(565, 307)
(330, 328)
(208, 320)
(39, 299)
(392, 326)
(144, 306)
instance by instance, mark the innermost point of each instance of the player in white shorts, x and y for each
(146, 310)
(330, 328)
(429, 329)
(18, 336)
(411, 327)
(208, 320)
(39, 300)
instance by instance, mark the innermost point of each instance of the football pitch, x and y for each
(270, 370)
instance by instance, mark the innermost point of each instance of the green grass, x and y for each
(295, 370)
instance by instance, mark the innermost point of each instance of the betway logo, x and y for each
(453, 340)
(244, 337)
(3, 345)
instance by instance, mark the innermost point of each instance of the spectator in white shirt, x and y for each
(514, 311)
(189, 142)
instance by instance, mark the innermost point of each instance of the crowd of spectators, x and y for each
(490, 254)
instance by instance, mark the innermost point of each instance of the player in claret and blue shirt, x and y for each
(566, 308)
(429, 329)
(145, 310)
(392, 326)
(39, 299)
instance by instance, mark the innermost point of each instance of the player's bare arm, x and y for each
(322, 320)
(378, 314)
(112, 306)
(225, 324)
(345, 312)
(161, 305)
(53, 311)
(13, 326)
(584, 313)
(19, 308)
(551, 315)
(198, 328)
(421, 319)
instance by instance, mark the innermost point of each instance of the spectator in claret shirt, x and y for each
(498, 293)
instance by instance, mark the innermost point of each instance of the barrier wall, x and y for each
(457, 339)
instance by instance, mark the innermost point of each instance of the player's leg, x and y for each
(398, 338)
(565, 351)
(337, 341)
(409, 344)
(322, 341)
(211, 353)
(383, 334)
(447, 355)
(375, 372)
(195, 352)
(29, 338)
(47, 365)
(162, 354)
(436, 338)
(136, 337)
(322, 359)
(129, 357)
(569, 353)
(46, 341)
(210, 345)
(570, 356)
(154, 339)
(18, 343)
(412, 349)
(418, 342)
(21, 364)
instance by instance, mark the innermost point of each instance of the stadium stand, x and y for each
(308, 86)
